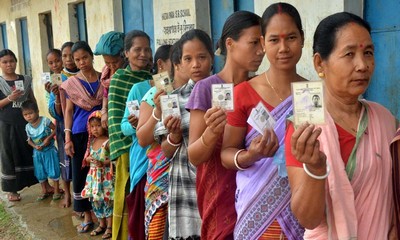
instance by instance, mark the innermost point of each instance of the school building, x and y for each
(31, 27)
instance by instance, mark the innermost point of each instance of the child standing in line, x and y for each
(41, 131)
(99, 186)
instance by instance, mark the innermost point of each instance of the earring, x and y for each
(321, 74)
(263, 49)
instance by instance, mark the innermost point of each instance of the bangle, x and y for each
(235, 160)
(67, 142)
(9, 99)
(67, 130)
(328, 170)
(171, 143)
(154, 115)
(56, 103)
(104, 111)
(203, 142)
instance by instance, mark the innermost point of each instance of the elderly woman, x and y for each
(340, 172)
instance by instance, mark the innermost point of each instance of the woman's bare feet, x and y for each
(66, 202)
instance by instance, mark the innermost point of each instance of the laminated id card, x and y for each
(170, 105)
(222, 96)
(162, 81)
(308, 102)
(19, 85)
(261, 119)
(133, 107)
(46, 77)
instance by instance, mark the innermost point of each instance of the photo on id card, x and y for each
(170, 106)
(133, 107)
(261, 119)
(162, 81)
(308, 102)
(222, 96)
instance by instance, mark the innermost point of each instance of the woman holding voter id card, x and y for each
(340, 172)
(15, 153)
(262, 193)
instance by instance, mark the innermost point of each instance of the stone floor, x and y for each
(44, 220)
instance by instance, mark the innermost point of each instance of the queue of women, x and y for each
(208, 173)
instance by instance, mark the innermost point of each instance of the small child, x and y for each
(99, 186)
(41, 131)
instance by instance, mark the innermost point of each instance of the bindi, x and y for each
(282, 35)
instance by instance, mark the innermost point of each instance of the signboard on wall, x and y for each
(172, 18)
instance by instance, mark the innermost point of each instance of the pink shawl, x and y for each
(78, 94)
(360, 208)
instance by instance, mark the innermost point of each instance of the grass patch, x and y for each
(9, 227)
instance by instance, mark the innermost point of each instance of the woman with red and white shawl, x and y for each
(340, 172)
(81, 95)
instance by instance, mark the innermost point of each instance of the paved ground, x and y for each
(44, 220)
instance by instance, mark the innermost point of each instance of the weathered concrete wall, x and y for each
(311, 12)
(100, 19)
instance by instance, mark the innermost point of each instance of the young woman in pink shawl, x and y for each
(340, 172)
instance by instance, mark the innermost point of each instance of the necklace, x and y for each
(266, 76)
(84, 77)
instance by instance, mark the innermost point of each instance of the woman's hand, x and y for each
(39, 148)
(133, 120)
(263, 146)
(15, 95)
(54, 89)
(215, 119)
(156, 100)
(104, 120)
(173, 125)
(47, 86)
(305, 148)
(69, 149)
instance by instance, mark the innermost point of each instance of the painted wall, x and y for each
(98, 22)
(311, 12)
(172, 18)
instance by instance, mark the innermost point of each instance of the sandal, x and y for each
(57, 196)
(107, 235)
(85, 227)
(13, 197)
(42, 196)
(99, 230)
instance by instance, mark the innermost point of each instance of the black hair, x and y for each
(326, 33)
(29, 105)
(195, 34)
(8, 52)
(55, 51)
(81, 45)
(130, 36)
(281, 7)
(174, 57)
(67, 44)
(161, 53)
(234, 25)
(316, 96)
